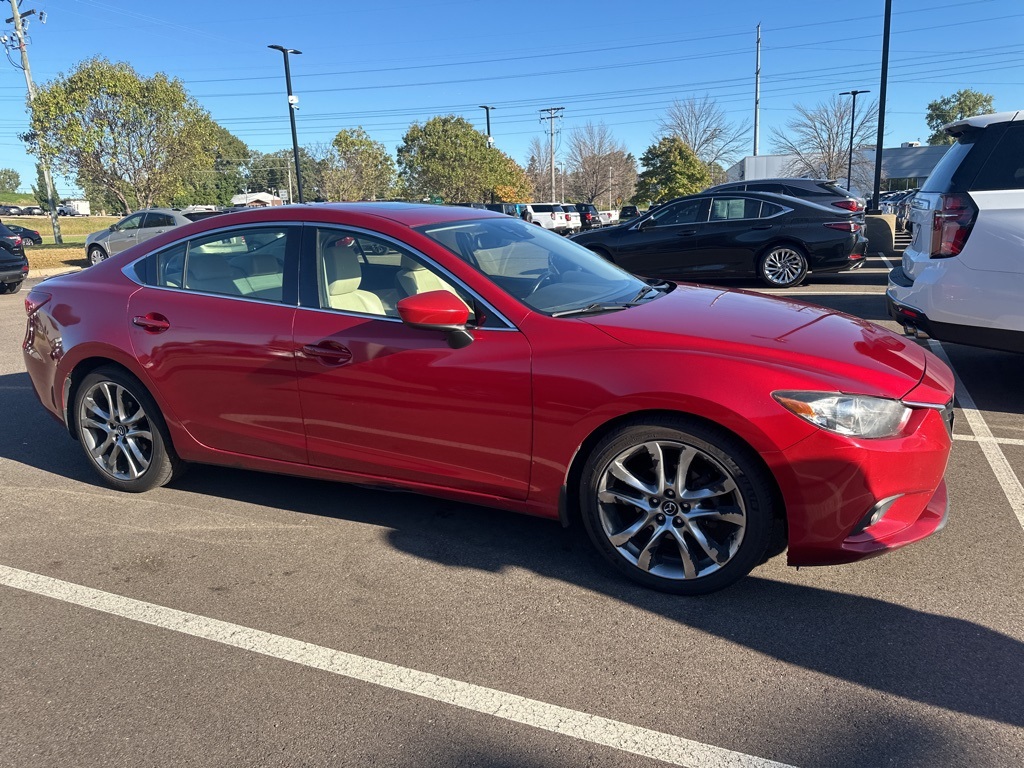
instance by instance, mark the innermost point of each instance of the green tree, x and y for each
(224, 178)
(449, 158)
(142, 139)
(671, 169)
(963, 103)
(10, 180)
(356, 167)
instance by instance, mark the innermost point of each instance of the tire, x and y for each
(12, 287)
(783, 266)
(122, 432)
(692, 541)
(96, 255)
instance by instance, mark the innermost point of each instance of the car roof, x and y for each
(772, 197)
(959, 127)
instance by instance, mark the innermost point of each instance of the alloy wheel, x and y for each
(116, 431)
(784, 266)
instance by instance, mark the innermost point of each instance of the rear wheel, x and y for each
(676, 505)
(122, 432)
(11, 287)
(783, 266)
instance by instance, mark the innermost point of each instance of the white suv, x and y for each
(962, 276)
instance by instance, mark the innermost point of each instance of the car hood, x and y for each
(853, 355)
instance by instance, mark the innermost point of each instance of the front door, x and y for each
(382, 399)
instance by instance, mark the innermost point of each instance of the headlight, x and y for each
(851, 415)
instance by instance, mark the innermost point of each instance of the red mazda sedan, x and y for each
(693, 431)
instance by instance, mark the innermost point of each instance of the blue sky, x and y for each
(384, 64)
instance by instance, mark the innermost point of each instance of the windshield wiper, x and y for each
(642, 292)
(591, 309)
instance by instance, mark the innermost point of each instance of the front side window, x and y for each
(132, 222)
(686, 212)
(542, 270)
(369, 275)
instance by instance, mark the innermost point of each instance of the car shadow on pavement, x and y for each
(936, 660)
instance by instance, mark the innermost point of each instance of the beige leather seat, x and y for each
(211, 272)
(414, 278)
(342, 276)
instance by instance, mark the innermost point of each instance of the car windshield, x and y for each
(544, 271)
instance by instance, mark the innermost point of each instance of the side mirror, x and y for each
(112, 227)
(438, 311)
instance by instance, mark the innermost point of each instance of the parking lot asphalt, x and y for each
(243, 619)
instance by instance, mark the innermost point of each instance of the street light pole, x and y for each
(487, 109)
(292, 102)
(853, 123)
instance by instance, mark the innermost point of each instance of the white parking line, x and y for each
(996, 440)
(888, 263)
(549, 717)
(989, 444)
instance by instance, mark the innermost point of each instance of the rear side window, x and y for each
(733, 208)
(964, 160)
(1004, 168)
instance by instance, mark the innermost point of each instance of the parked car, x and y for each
(734, 234)
(821, 191)
(28, 236)
(484, 360)
(590, 218)
(13, 264)
(10, 210)
(32, 210)
(572, 218)
(902, 211)
(628, 212)
(962, 276)
(509, 209)
(136, 228)
(550, 216)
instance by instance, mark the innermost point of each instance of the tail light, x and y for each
(17, 241)
(568, 217)
(587, 217)
(951, 224)
(848, 205)
(843, 226)
(35, 301)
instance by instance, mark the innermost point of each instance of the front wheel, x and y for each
(676, 505)
(122, 432)
(783, 266)
(96, 255)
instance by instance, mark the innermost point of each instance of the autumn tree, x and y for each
(10, 180)
(819, 139)
(447, 157)
(671, 169)
(142, 139)
(703, 125)
(964, 103)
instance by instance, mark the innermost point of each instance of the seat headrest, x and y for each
(341, 265)
(209, 266)
(409, 263)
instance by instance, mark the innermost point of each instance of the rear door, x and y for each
(212, 328)
(155, 223)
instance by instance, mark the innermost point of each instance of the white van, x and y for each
(962, 276)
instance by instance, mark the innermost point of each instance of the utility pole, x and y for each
(19, 31)
(552, 114)
(757, 90)
(881, 109)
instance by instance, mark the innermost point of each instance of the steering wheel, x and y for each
(546, 277)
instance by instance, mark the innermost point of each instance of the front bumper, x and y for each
(831, 485)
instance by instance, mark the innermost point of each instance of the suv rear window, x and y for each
(941, 177)
(1004, 168)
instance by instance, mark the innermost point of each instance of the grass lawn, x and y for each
(73, 232)
(49, 256)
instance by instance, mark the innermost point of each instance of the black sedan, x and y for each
(28, 236)
(778, 238)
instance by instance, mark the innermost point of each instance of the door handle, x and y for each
(686, 233)
(153, 322)
(763, 226)
(328, 352)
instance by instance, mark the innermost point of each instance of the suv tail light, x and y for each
(843, 226)
(587, 216)
(951, 224)
(848, 205)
